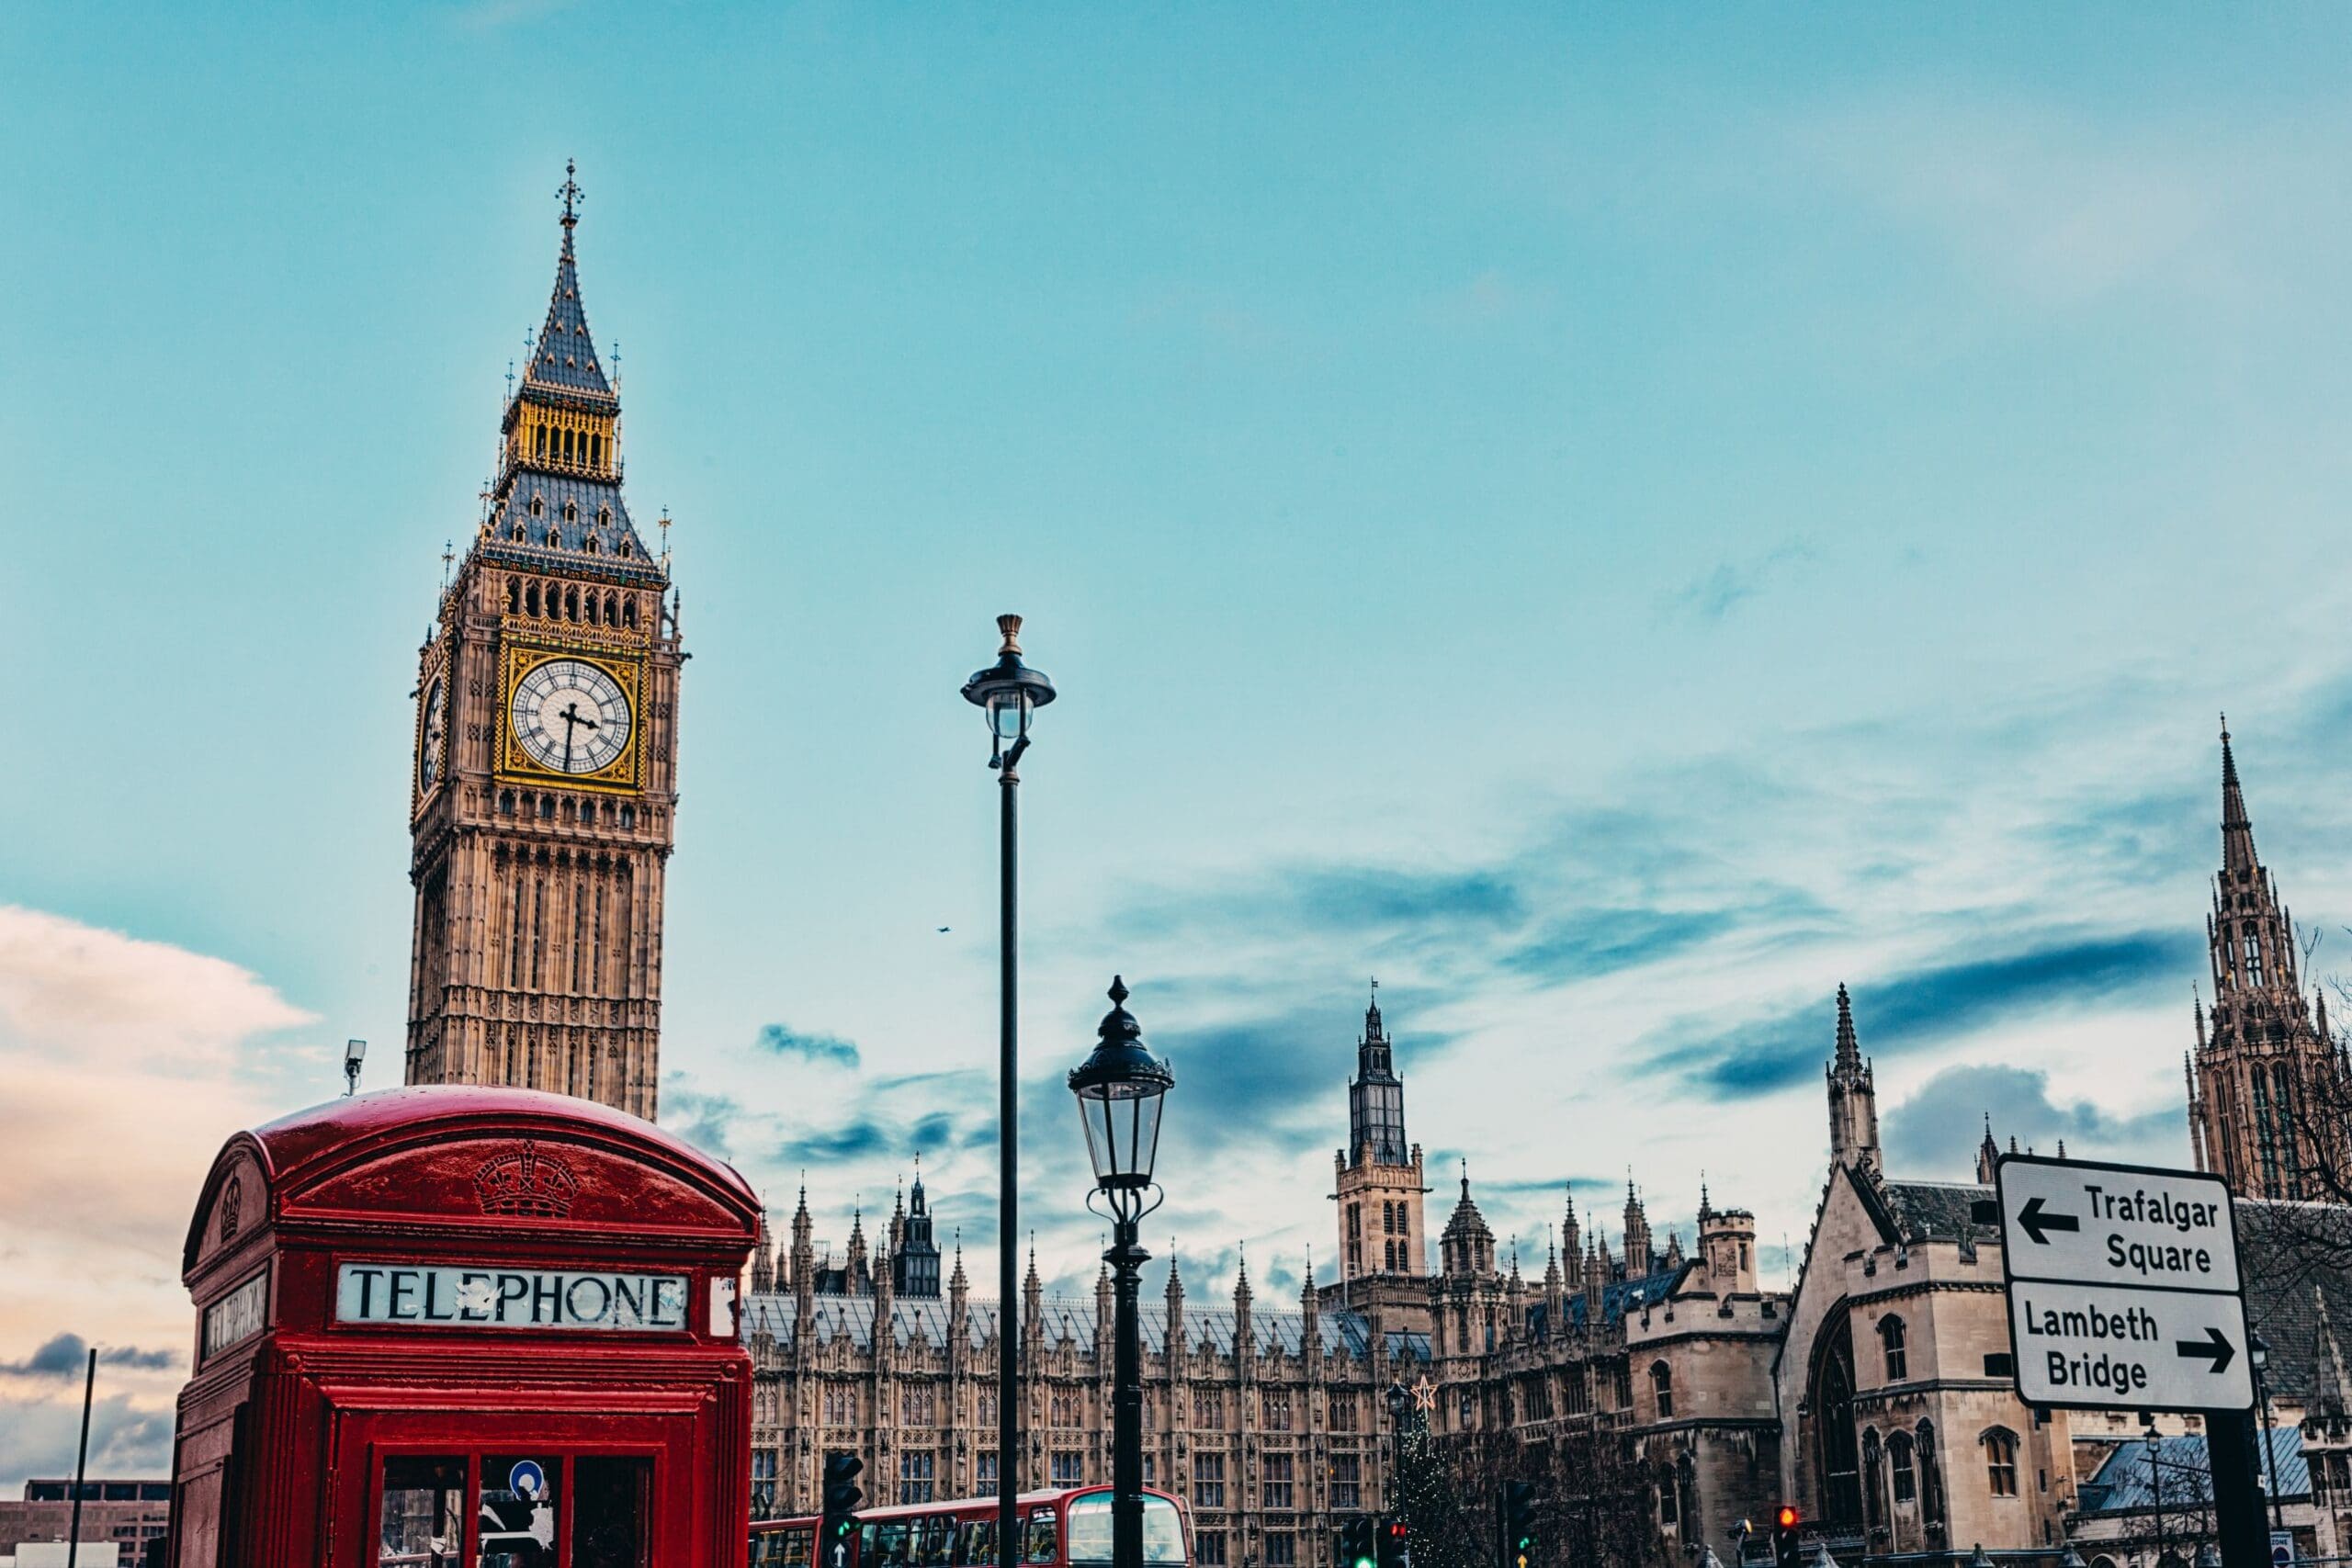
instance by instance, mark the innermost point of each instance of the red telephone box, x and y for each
(441, 1327)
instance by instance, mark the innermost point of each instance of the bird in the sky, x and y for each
(942, 929)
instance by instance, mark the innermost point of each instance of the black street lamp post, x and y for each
(2258, 1357)
(1119, 1089)
(1008, 692)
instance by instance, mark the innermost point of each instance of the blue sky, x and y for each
(1612, 522)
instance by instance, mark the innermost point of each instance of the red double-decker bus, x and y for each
(1068, 1527)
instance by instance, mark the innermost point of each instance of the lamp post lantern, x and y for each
(1008, 693)
(1119, 1090)
(353, 1052)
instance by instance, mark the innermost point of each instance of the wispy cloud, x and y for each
(783, 1039)
(1911, 1010)
(67, 1356)
(1714, 593)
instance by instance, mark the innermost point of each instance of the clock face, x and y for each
(431, 742)
(571, 716)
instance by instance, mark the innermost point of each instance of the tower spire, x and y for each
(572, 197)
(1850, 1050)
(2238, 828)
(1853, 1098)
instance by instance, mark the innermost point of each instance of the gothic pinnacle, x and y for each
(1849, 1051)
(2237, 830)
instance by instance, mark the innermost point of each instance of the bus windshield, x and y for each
(1090, 1529)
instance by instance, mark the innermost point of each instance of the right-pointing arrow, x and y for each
(2037, 1222)
(2213, 1349)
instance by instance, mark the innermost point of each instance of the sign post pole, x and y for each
(2229, 1446)
(2124, 1294)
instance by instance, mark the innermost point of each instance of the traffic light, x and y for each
(1359, 1546)
(1519, 1525)
(1785, 1552)
(837, 1531)
(1394, 1544)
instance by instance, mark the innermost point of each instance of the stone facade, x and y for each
(1272, 1423)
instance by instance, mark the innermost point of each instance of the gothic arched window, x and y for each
(629, 605)
(1662, 1385)
(1833, 1434)
(1900, 1469)
(572, 512)
(1873, 1482)
(1931, 1476)
(2001, 1461)
(2253, 949)
(1891, 1336)
(531, 599)
(539, 505)
(513, 596)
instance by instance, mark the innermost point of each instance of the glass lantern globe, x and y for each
(1120, 1089)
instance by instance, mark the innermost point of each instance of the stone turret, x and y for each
(1727, 1245)
(1175, 1313)
(763, 1256)
(1637, 1234)
(1245, 1333)
(804, 1261)
(1310, 1321)
(1853, 1098)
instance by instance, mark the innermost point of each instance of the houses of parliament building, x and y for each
(1875, 1391)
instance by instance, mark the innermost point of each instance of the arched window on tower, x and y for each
(2252, 951)
(1931, 1476)
(1905, 1478)
(539, 505)
(2282, 1112)
(531, 599)
(572, 512)
(571, 603)
(629, 605)
(540, 440)
(1873, 1480)
(1891, 1338)
(513, 596)
(2001, 1461)
(1662, 1387)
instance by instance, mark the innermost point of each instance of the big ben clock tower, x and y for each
(545, 794)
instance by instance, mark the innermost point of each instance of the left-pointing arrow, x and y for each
(2038, 1221)
(2213, 1349)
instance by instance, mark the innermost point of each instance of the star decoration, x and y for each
(1425, 1393)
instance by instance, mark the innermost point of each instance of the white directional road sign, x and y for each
(2123, 1286)
(2106, 1226)
(2119, 1349)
